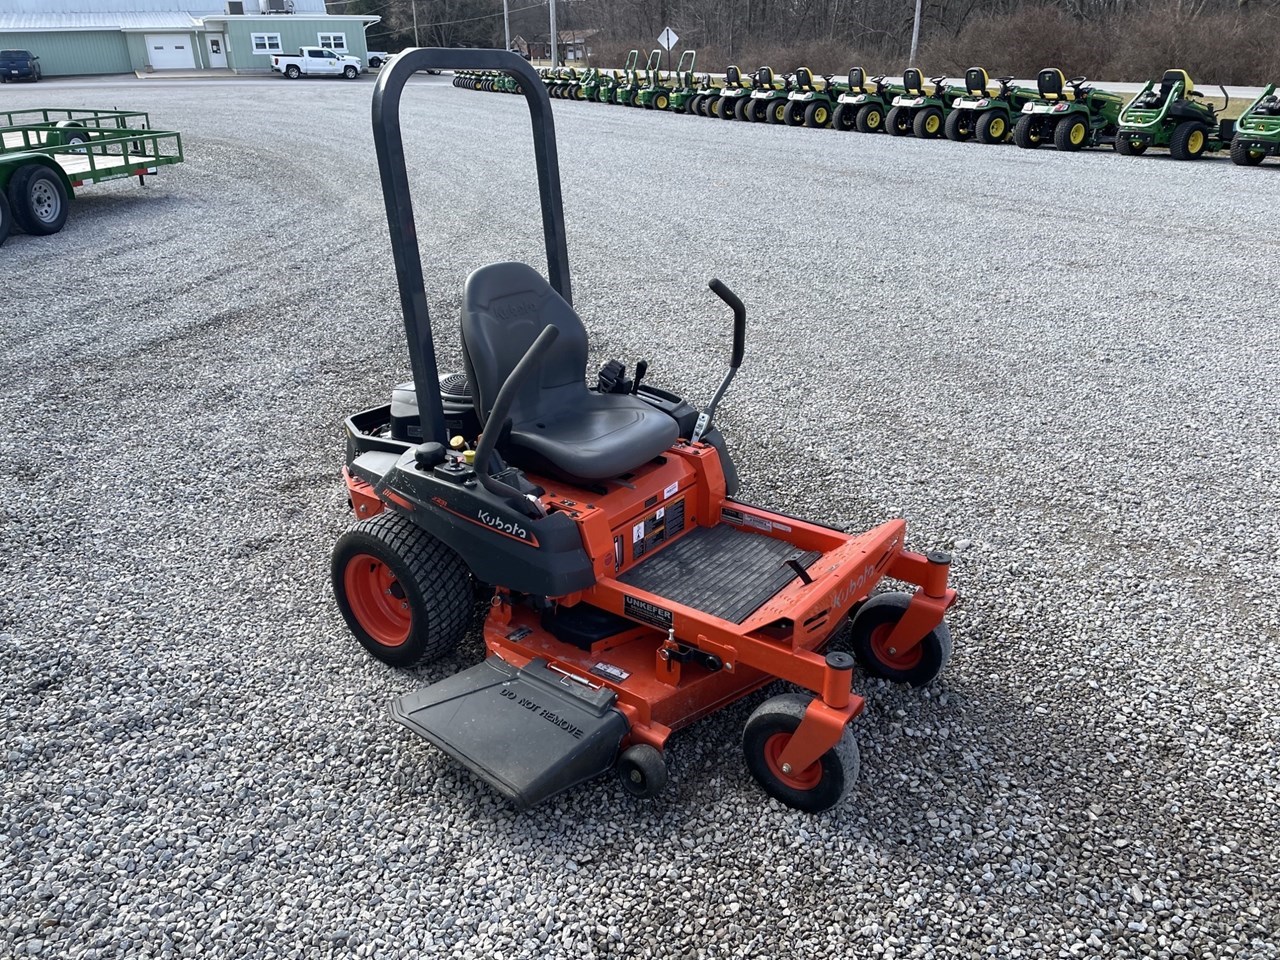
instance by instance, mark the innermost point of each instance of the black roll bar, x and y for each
(389, 143)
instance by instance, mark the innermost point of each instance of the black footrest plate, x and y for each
(529, 732)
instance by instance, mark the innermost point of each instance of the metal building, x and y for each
(78, 37)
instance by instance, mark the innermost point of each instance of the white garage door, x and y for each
(170, 51)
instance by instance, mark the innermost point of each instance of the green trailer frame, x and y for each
(47, 153)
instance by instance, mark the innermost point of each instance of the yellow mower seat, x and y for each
(1052, 84)
(858, 80)
(804, 79)
(913, 82)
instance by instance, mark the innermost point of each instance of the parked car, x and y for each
(316, 62)
(19, 65)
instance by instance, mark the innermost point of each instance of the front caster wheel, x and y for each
(405, 595)
(819, 787)
(642, 771)
(869, 633)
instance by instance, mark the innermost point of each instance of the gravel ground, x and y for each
(1063, 367)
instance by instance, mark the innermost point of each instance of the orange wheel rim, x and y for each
(377, 600)
(900, 661)
(805, 779)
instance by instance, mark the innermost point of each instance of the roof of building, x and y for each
(153, 20)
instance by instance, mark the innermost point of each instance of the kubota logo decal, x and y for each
(506, 526)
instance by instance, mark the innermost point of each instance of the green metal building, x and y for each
(142, 36)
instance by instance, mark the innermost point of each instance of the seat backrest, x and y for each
(913, 82)
(732, 76)
(975, 81)
(857, 80)
(504, 308)
(764, 77)
(1175, 76)
(804, 78)
(1051, 83)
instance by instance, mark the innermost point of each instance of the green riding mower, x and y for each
(657, 92)
(811, 105)
(611, 83)
(861, 107)
(735, 92)
(1172, 115)
(704, 96)
(768, 101)
(633, 81)
(980, 114)
(1083, 117)
(916, 111)
(687, 85)
(1258, 130)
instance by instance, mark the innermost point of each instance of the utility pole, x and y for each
(506, 22)
(416, 41)
(915, 36)
(555, 57)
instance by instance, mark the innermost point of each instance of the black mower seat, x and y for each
(857, 80)
(1051, 83)
(732, 76)
(556, 421)
(764, 78)
(913, 82)
(976, 81)
(804, 79)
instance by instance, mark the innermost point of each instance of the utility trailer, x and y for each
(46, 153)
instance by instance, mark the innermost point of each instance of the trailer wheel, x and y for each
(642, 771)
(870, 119)
(1026, 133)
(39, 200)
(74, 134)
(992, 127)
(350, 73)
(869, 635)
(897, 122)
(405, 595)
(6, 218)
(1070, 134)
(292, 71)
(819, 787)
(1242, 156)
(1189, 140)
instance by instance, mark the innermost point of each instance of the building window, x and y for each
(333, 41)
(266, 42)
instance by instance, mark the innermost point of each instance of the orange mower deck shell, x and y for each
(782, 639)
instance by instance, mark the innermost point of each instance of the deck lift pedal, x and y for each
(630, 593)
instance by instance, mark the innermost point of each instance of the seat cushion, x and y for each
(601, 436)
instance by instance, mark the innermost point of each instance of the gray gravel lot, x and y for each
(1063, 367)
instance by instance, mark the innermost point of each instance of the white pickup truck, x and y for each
(316, 62)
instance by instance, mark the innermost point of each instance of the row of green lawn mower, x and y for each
(1067, 114)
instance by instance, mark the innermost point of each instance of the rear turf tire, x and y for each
(927, 124)
(817, 115)
(870, 119)
(406, 596)
(897, 122)
(776, 111)
(843, 117)
(992, 127)
(1189, 140)
(1070, 134)
(1241, 156)
(742, 110)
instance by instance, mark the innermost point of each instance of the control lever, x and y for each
(499, 421)
(642, 367)
(739, 346)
